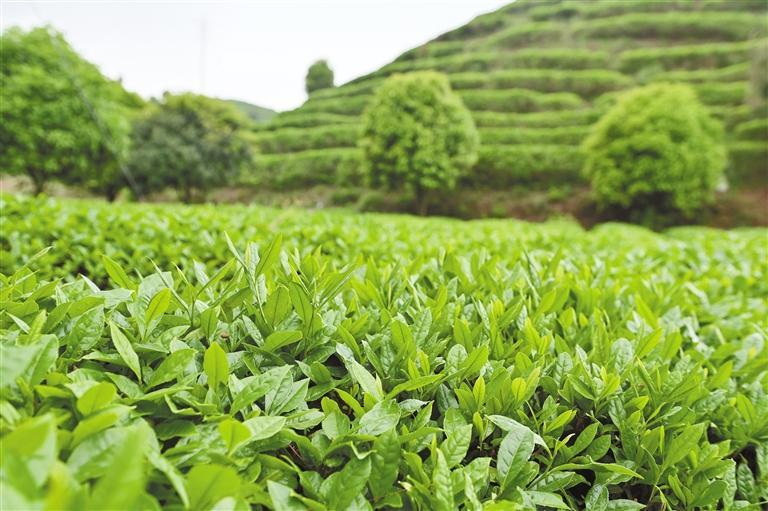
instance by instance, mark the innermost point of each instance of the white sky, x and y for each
(256, 51)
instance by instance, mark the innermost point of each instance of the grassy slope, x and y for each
(254, 112)
(535, 75)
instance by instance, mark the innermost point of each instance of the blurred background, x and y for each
(276, 103)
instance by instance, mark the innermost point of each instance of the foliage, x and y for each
(658, 148)
(319, 76)
(438, 365)
(326, 136)
(586, 83)
(526, 164)
(256, 113)
(418, 135)
(303, 169)
(61, 118)
(189, 143)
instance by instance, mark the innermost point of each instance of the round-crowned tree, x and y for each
(657, 149)
(417, 135)
(319, 76)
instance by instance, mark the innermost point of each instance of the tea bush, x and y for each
(376, 362)
(418, 135)
(657, 147)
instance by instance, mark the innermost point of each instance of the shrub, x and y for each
(734, 93)
(735, 73)
(342, 106)
(525, 33)
(566, 135)
(728, 26)
(748, 163)
(587, 83)
(303, 169)
(302, 139)
(656, 148)
(502, 166)
(319, 76)
(559, 118)
(518, 100)
(190, 143)
(754, 129)
(300, 119)
(61, 118)
(691, 57)
(418, 135)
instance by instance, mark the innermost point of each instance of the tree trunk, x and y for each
(422, 202)
(38, 182)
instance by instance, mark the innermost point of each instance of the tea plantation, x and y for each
(329, 360)
(536, 75)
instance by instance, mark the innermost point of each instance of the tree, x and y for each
(657, 149)
(190, 143)
(61, 118)
(319, 76)
(418, 135)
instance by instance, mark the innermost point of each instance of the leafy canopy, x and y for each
(417, 134)
(61, 118)
(190, 143)
(656, 148)
(319, 76)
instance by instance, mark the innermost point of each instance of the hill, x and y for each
(254, 112)
(536, 75)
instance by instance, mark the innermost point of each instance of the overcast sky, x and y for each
(256, 51)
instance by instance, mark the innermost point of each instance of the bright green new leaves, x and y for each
(439, 365)
(215, 365)
(125, 349)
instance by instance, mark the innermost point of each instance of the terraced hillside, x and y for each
(536, 74)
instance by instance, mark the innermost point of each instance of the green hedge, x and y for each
(733, 73)
(302, 139)
(505, 166)
(754, 129)
(598, 9)
(561, 135)
(728, 26)
(480, 26)
(433, 49)
(691, 57)
(585, 83)
(551, 119)
(722, 93)
(518, 100)
(342, 105)
(300, 119)
(526, 33)
(732, 116)
(305, 169)
(358, 88)
(748, 163)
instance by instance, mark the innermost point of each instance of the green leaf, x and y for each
(277, 340)
(123, 483)
(441, 484)
(209, 483)
(385, 463)
(117, 274)
(682, 444)
(171, 367)
(269, 256)
(258, 387)
(209, 321)
(341, 488)
(125, 349)
(34, 442)
(264, 427)
(234, 433)
(156, 308)
(456, 445)
(597, 498)
(382, 417)
(514, 451)
(215, 365)
(96, 398)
